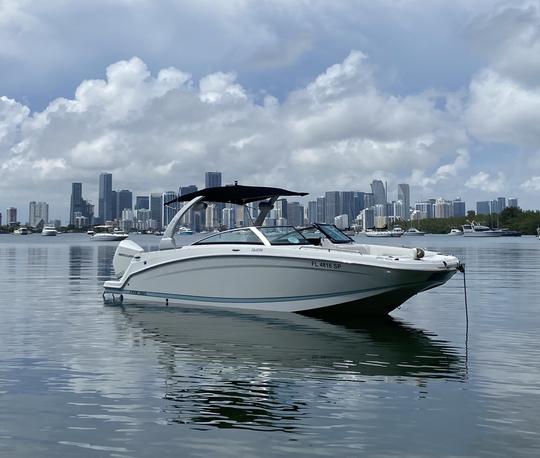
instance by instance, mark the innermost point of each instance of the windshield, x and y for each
(283, 235)
(238, 236)
(334, 234)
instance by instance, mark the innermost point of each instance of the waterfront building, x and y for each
(11, 216)
(143, 220)
(342, 221)
(115, 213)
(347, 204)
(155, 208)
(212, 179)
(332, 206)
(369, 199)
(125, 200)
(404, 194)
(458, 208)
(105, 202)
(168, 211)
(381, 217)
(212, 220)
(312, 212)
(502, 203)
(359, 203)
(400, 210)
(228, 217)
(367, 218)
(80, 221)
(442, 209)
(142, 202)
(281, 209)
(321, 210)
(379, 192)
(295, 214)
(424, 209)
(483, 207)
(79, 206)
(183, 190)
(38, 213)
(512, 202)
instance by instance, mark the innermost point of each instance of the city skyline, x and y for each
(336, 207)
(314, 101)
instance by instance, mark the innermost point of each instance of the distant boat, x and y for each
(477, 230)
(455, 231)
(413, 232)
(108, 234)
(185, 231)
(49, 231)
(396, 232)
(21, 231)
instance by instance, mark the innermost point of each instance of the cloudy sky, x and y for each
(314, 96)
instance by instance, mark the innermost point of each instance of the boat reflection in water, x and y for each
(264, 371)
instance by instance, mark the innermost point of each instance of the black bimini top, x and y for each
(236, 194)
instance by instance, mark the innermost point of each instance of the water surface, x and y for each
(79, 378)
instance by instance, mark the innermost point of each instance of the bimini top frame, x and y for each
(235, 194)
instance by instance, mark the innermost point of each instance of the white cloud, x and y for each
(485, 182)
(532, 184)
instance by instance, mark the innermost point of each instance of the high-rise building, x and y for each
(183, 190)
(442, 209)
(458, 208)
(321, 210)
(424, 210)
(295, 214)
(512, 202)
(359, 203)
(115, 212)
(228, 217)
(367, 217)
(347, 205)
(281, 209)
(142, 202)
(105, 203)
(168, 211)
(155, 208)
(502, 203)
(379, 192)
(312, 212)
(483, 207)
(332, 206)
(76, 204)
(212, 179)
(38, 213)
(125, 200)
(342, 221)
(11, 216)
(404, 194)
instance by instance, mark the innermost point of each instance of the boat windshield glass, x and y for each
(238, 236)
(334, 234)
(283, 235)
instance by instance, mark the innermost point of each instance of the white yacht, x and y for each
(21, 231)
(108, 234)
(185, 231)
(454, 231)
(473, 229)
(396, 232)
(49, 231)
(413, 232)
(314, 270)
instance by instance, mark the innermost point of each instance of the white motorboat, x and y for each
(396, 232)
(314, 270)
(49, 231)
(185, 231)
(21, 231)
(473, 229)
(454, 231)
(108, 234)
(413, 232)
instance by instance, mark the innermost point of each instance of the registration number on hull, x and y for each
(326, 265)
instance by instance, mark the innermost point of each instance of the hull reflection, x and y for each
(260, 371)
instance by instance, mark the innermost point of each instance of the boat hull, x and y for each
(274, 283)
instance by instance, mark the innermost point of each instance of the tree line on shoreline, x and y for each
(525, 221)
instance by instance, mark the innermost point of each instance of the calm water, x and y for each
(81, 379)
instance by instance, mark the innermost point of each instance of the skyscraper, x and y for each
(38, 212)
(212, 179)
(404, 194)
(295, 214)
(512, 202)
(125, 201)
(168, 211)
(105, 204)
(458, 207)
(321, 210)
(483, 207)
(379, 192)
(332, 206)
(183, 190)
(76, 204)
(155, 208)
(142, 202)
(115, 212)
(11, 216)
